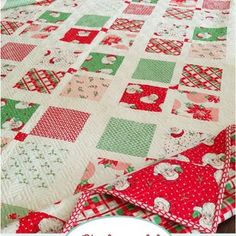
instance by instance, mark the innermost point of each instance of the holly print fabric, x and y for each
(99, 95)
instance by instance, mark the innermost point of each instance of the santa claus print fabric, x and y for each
(114, 107)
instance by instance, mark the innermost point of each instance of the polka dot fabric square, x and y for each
(61, 123)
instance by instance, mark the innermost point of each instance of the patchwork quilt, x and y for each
(115, 107)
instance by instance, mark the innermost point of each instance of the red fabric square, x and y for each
(16, 51)
(21, 136)
(80, 36)
(138, 9)
(144, 97)
(61, 123)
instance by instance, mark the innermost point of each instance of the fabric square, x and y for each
(15, 114)
(102, 63)
(195, 105)
(60, 57)
(6, 69)
(8, 27)
(60, 123)
(93, 21)
(127, 25)
(79, 36)
(86, 87)
(179, 14)
(185, 3)
(143, 97)
(167, 47)
(53, 17)
(37, 31)
(216, 4)
(210, 34)
(209, 50)
(212, 18)
(22, 14)
(35, 164)
(16, 51)
(138, 9)
(201, 77)
(41, 81)
(159, 71)
(146, 1)
(118, 40)
(127, 137)
(171, 31)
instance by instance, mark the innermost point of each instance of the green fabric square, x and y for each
(209, 34)
(230, 200)
(54, 16)
(157, 219)
(120, 212)
(102, 63)
(92, 21)
(15, 114)
(95, 199)
(127, 137)
(159, 71)
(178, 227)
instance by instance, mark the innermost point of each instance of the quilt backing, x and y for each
(114, 107)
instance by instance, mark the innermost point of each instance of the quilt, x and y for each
(117, 107)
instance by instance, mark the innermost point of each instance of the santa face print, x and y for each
(207, 214)
(13, 124)
(161, 204)
(214, 160)
(167, 171)
(121, 184)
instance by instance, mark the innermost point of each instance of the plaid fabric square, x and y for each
(137, 9)
(79, 36)
(16, 51)
(127, 137)
(42, 81)
(8, 27)
(127, 25)
(167, 47)
(143, 97)
(159, 71)
(60, 123)
(179, 14)
(201, 77)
